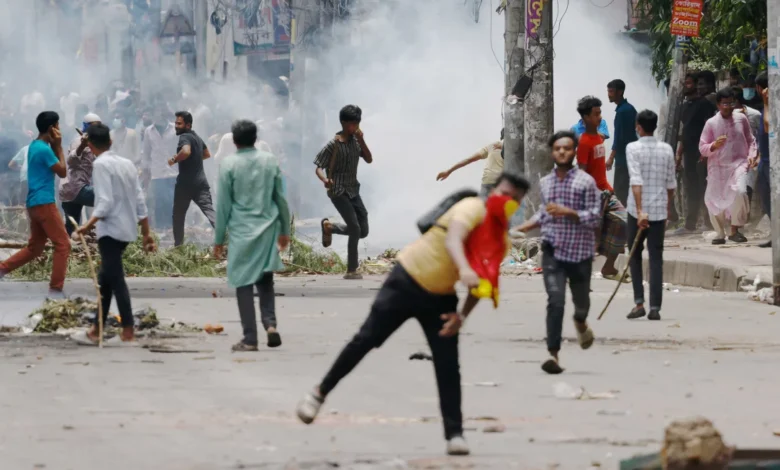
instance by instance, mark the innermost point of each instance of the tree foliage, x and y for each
(726, 32)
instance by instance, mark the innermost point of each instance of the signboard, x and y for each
(682, 42)
(533, 18)
(261, 26)
(686, 17)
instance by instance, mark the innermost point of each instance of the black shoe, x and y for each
(551, 366)
(719, 241)
(636, 312)
(738, 238)
(654, 315)
(274, 339)
(766, 244)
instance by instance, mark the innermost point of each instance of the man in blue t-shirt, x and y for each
(762, 89)
(625, 133)
(45, 158)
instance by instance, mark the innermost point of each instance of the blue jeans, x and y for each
(85, 197)
(763, 187)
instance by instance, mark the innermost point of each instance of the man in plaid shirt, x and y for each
(569, 215)
(651, 169)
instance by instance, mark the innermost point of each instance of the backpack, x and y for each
(429, 219)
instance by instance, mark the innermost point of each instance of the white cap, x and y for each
(91, 117)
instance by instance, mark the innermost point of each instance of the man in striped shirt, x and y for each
(337, 165)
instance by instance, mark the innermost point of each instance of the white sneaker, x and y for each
(309, 407)
(457, 446)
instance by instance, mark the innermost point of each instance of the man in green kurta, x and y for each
(251, 206)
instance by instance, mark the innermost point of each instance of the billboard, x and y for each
(261, 26)
(686, 17)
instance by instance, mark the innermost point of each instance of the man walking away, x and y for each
(762, 184)
(652, 169)
(160, 143)
(422, 286)
(730, 149)
(696, 111)
(337, 165)
(625, 120)
(494, 164)
(45, 159)
(569, 214)
(251, 207)
(77, 192)
(591, 158)
(119, 209)
(191, 184)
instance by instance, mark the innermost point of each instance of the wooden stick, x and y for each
(94, 282)
(625, 271)
(12, 246)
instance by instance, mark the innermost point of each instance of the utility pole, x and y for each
(200, 19)
(539, 104)
(773, 13)
(514, 66)
(674, 103)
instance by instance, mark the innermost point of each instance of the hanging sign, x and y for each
(533, 18)
(686, 17)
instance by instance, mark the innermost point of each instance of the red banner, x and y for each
(686, 17)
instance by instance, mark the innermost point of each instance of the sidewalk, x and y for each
(692, 261)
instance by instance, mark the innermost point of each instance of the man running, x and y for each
(45, 159)
(569, 214)
(337, 165)
(422, 286)
(730, 149)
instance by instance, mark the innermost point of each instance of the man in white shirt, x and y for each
(119, 209)
(125, 141)
(651, 170)
(160, 141)
(494, 164)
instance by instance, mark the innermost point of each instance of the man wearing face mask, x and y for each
(160, 178)
(125, 140)
(76, 191)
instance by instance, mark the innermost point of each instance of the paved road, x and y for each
(713, 354)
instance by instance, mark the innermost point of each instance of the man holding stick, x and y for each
(119, 208)
(651, 168)
(45, 159)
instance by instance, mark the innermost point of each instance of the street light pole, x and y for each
(773, 13)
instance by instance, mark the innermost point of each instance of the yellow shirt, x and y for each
(427, 260)
(494, 162)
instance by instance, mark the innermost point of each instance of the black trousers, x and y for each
(695, 173)
(246, 307)
(85, 197)
(355, 225)
(400, 299)
(555, 274)
(654, 236)
(112, 279)
(197, 191)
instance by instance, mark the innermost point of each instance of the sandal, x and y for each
(243, 347)
(82, 339)
(327, 233)
(616, 277)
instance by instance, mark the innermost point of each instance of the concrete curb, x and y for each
(706, 275)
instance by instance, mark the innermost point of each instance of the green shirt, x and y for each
(251, 206)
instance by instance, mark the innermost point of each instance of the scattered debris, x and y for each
(204, 358)
(381, 264)
(56, 314)
(694, 442)
(565, 391)
(613, 413)
(776, 432)
(213, 329)
(241, 360)
(168, 348)
(494, 428)
(68, 427)
(420, 356)
(487, 384)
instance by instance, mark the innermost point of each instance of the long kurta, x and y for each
(251, 206)
(726, 167)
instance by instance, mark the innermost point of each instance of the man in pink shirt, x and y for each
(730, 149)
